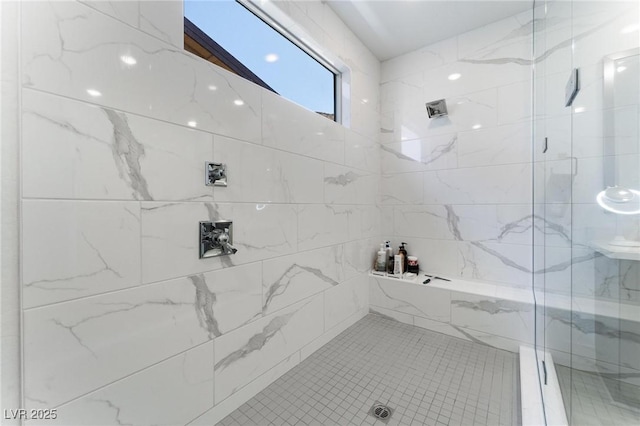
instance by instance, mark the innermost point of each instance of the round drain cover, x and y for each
(381, 411)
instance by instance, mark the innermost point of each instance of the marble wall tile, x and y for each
(288, 127)
(259, 174)
(506, 263)
(82, 151)
(422, 221)
(358, 256)
(248, 352)
(629, 340)
(507, 184)
(170, 246)
(435, 153)
(495, 145)
(361, 152)
(149, 396)
(591, 222)
(552, 224)
(513, 320)
(597, 28)
(344, 300)
(228, 298)
(514, 103)
(288, 279)
(163, 19)
(321, 225)
(75, 249)
(435, 256)
(344, 185)
(404, 188)
(82, 339)
(480, 222)
(487, 41)
(72, 50)
(449, 222)
(427, 57)
(127, 12)
(410, 298)
(366, 223)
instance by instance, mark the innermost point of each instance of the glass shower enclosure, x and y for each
(586, 208)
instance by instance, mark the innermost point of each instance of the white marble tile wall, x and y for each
(457, 189)
(115, 298)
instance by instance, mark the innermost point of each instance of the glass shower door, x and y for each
(587, 207)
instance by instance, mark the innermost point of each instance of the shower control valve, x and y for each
(216, 239)
(215, 174)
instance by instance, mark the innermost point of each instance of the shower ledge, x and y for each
(615, 252)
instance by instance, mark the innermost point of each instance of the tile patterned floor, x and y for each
(590, 399)
(427, 378)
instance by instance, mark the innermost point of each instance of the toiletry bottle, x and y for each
(389, 258)
(397, 265)
(381, 263)
(405, 256)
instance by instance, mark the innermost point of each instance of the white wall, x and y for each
(122, 321)
(457, 189)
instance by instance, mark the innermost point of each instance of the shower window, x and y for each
(230, 35)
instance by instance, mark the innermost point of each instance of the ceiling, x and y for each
(392, 28)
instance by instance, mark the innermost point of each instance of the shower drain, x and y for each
(381, 411)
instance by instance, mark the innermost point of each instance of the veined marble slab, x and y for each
(344, 300)
(75, 347)
(172, 392)
(162, 19)
(344, 185)
(289, 279)
(323, 225)
(361, 152)
(288, 127)
(262, 174)
(73, 249)
(246, 353)
(82, 151)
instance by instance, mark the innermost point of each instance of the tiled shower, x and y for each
(109, 316)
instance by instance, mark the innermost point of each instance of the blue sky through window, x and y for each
(281, 64)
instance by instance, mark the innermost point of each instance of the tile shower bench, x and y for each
(477, 311)
(503, 317)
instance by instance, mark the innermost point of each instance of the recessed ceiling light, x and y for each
(454, 76)
(238, 102)
(212, 88)
(621, 68)
(578, 110)
(476, 126)
(94, 93)
(630, 28)
(192, 123)
(271, 57)
(128, 60)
